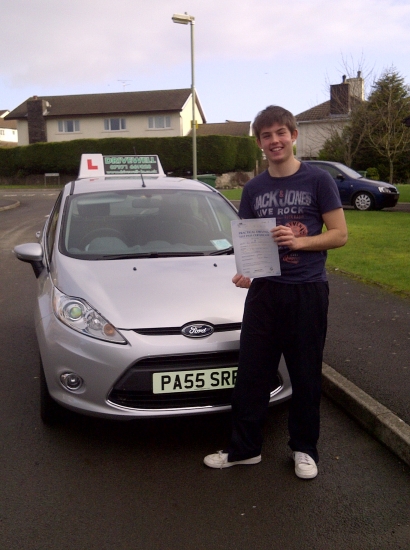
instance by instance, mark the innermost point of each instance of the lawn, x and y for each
(404, 190)
(378, 249)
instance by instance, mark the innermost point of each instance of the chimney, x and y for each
(340, 98)
(37, 130)
(357, 86)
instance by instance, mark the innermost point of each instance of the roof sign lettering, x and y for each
(96, 165)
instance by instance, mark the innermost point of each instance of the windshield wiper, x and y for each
(226, 251)
(148, 255)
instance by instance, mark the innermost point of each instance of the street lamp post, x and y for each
(184, 19)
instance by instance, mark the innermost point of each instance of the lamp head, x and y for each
(183, 18)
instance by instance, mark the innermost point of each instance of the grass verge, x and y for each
(404, 190)
(378, 249)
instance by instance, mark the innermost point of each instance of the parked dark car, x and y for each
(357, 191)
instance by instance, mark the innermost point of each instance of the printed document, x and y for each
(256, 253)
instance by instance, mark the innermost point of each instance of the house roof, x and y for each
(322, 112)
(319, 112)
(10, 124)
(111, 103)
(228, 128)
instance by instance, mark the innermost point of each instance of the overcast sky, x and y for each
(248, 54)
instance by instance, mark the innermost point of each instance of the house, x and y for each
(8, 129)
(319, 123)
(160, 113)
(228, 128)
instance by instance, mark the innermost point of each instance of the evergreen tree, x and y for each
(387, 107)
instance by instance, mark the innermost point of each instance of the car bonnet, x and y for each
(154, 292)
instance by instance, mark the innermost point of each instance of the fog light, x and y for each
(71, 381)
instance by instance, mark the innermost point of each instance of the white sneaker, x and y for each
(305, 466)
(220, 460)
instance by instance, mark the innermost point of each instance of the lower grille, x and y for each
(144, 400)
(134, 388)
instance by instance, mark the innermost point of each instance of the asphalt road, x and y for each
(95, 484)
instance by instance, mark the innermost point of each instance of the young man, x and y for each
(286, 314)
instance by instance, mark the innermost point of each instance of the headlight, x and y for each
(387, 190)
(80, 316)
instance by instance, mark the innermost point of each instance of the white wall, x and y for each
(9, 135)
(22, 130)
(312, 136)
(93, 128)
(186, 117)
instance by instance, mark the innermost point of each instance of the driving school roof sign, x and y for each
(96, 165)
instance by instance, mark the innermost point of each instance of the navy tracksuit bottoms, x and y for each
(288, 319)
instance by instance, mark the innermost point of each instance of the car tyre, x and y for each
(363, 201)
(50, 411)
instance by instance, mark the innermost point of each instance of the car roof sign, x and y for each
(96, 165)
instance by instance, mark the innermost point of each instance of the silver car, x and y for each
(136, 314)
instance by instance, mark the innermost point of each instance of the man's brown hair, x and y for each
(273, 115)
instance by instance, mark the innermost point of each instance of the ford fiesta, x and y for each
(136, 314)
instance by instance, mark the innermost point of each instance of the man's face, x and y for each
(277, 143)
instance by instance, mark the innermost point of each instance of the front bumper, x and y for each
(117, 379)
(386, 200)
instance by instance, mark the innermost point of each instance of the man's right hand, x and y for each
(241, 282)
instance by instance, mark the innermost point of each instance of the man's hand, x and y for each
(241, 281)
(284, 236)
(334, 237)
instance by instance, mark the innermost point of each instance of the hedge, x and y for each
(215, 154)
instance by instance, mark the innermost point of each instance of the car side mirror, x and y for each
(31, 253)
(340, 177)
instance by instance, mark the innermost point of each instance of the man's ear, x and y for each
(294, 135)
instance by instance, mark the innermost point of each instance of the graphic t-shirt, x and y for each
(297, 201)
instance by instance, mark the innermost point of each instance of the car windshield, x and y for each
(141, 223)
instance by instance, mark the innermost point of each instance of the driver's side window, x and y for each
(331, 169)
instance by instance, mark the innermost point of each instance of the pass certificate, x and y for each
(256, 253)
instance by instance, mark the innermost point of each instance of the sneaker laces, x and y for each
(305, 459)
(222, 458)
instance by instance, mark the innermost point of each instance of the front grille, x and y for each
(170, 331)
(134, 388)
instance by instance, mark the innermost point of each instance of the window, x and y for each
(114, 124)
(67, 126)
(331, 169)
(158, 122)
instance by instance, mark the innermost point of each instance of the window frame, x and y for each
(62, 126)
(155, 119)
(122, 124)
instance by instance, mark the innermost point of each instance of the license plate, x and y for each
(196, 380)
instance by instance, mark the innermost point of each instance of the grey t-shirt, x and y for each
(297, 201)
